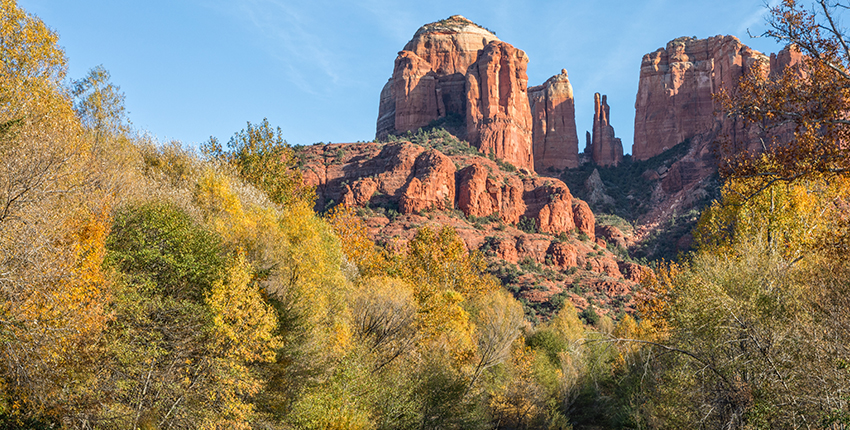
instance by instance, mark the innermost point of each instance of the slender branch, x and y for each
(666, 348)
(834, 29)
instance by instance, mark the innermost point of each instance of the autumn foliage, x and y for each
(146, 286)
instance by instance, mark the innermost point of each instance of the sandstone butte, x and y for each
(553, 113)
(461, 74)
(674, 100)
(674, 104)
(605, 149)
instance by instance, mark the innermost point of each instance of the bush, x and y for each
(159, 242)
(589, 315)
(528, 225)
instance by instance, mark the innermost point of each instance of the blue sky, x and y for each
(191, 69)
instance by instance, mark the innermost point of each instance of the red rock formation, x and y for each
(480, 194)
(583, 217)
(506, 250)
(633, 271)
(674, 100)
(605, 266)
(787, 57)
(415, 179)
(533, 247)
(414, 89)
(549, 203)
(456, 69)
(432, 185)
(553, 116)
(498, 117)
(442, 51)
(563, 255)
(612, 235)
(605, 148)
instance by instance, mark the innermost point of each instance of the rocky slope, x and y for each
(540, 239)
(674, 105)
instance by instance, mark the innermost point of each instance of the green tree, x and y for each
(262, 157)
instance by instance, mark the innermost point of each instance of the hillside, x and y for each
(539, 240)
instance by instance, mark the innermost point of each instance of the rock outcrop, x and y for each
(498, 118)
(605, 149)
(432, 185)
(428, 80)
(553, 118)
(583, 217)
(414, 179)
(674, 100)
(674, 104)
(454, 69)
(414, 85)
(480, 193)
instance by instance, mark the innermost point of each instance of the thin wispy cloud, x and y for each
(754, 21)
(293, 37)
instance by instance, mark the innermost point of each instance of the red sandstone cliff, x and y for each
(415, 179)
(674, 100)
(553, 118)
(498, 118)
(442, 51)
(674, 104)
(454, 69)
(605, 148)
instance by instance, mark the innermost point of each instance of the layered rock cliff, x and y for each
(457, 72)
(428, 80)
(553, 119)
(498, 118)
(414, 179)
(605, 149)
(674, 100)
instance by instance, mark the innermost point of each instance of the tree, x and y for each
(100, 104)
(809, 100)
(262, 157)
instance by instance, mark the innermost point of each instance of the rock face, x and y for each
(456, 70)
(480, 193)
(583, 217)
(605, 148)
(674, 99)
(428, 80)
(553, 117)
(674, 104)
(432, 185)
(498, 118)
(414, 86)
(414, 179)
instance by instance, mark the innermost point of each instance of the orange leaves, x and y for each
(801, 111)
(653, 305)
